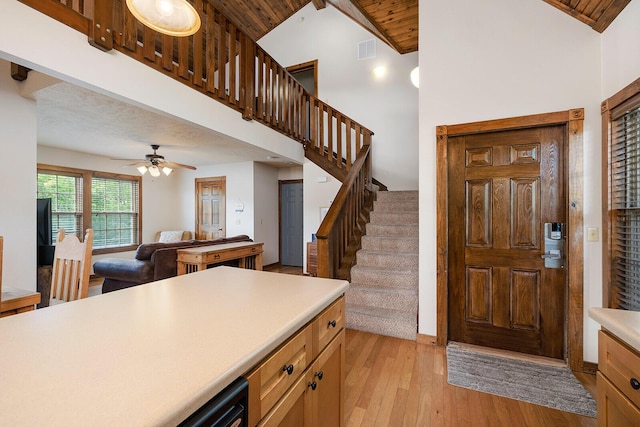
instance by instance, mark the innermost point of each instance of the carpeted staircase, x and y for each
(383, 296)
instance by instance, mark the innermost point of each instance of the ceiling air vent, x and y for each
(367, 49)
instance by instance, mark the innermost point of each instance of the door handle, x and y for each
(554, 243)
(552, 254)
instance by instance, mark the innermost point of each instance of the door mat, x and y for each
(541, 384)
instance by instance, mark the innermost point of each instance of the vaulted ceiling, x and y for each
(393, 21)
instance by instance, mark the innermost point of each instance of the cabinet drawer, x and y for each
(620, 364)
(615, 410)
(328, 324)
(269, 381)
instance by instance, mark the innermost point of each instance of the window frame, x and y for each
(612, 109)
(87, 179)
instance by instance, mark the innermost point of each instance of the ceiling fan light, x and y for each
(167, 170)
(154, 171)
(172, 17)
(142, 169)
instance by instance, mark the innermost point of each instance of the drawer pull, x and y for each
(288, 369)
(332, 323)
(319, 375)
(635, 383)
(313, 385)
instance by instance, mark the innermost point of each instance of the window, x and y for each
(107, 203)
(621, 116)
(65, 191)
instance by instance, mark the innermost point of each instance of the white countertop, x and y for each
(622, 323)
(151, 354)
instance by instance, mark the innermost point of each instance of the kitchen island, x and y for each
(618, 367)
(151, 354)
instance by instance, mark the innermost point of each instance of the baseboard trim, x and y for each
(589, 367)
(426, 339)
(271, 266)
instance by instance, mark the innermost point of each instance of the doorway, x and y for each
(499, 181)
(307, 75)
(210, 208)
(291, 223)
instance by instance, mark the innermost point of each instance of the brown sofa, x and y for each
(153, 261)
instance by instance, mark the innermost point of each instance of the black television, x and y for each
(44, 229)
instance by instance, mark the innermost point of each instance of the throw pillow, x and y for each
(170, 236)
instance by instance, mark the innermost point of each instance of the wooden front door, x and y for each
(502, 187)
(210, 208)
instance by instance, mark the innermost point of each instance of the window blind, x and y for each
(65, 191)
(114, 212)
(624, 198)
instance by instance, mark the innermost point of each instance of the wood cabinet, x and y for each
(280, 394)
(618, 382)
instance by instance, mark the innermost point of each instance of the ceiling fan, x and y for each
(154, 163)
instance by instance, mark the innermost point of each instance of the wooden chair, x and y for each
(71, 267)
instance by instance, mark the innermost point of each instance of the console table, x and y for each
(16, 300)
(199, 257)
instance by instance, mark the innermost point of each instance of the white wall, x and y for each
(387, 106)
(265, 197)
(291, 173)
(239, 189)
(504, 58)
(316, 195)
(620, 51)
(17, 183)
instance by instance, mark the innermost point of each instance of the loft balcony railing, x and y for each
(223, 63)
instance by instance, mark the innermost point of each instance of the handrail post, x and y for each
(100, 24)
(248, 70)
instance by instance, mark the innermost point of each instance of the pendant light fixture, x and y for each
(172, 17)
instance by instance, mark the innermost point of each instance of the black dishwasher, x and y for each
(226, 409)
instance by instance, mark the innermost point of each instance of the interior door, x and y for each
(210, 208)
(503, 187)
(291, 223)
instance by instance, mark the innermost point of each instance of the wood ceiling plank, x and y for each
(610, 14)
(598, 14)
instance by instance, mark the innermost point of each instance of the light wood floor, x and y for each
(394, 382)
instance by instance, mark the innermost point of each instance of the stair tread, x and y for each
(379, 252)
(383, 270)
(364, 287)
(386, 313)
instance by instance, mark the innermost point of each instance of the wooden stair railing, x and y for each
(223, 63)
(339, 234)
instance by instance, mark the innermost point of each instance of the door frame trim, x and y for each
(198, 181)
(574, 177)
